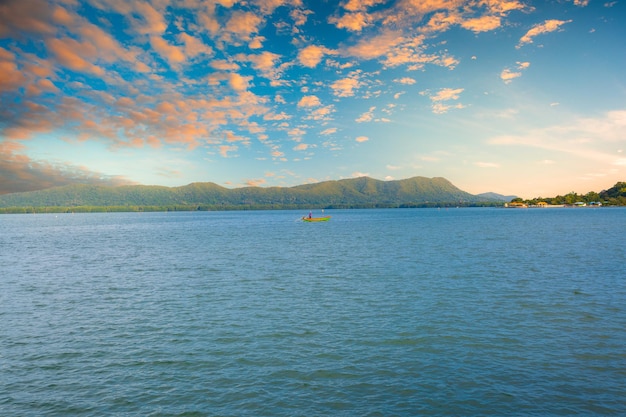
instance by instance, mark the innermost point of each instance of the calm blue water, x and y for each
(375, 313)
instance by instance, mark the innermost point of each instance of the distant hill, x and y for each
(348, 193)
(496, 197)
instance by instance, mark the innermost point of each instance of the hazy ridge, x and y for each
(356, 192)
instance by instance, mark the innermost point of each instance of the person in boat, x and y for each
(310, 214)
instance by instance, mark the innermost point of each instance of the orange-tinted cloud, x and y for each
(151, 22)
(368, 116)
(354, 22)
(226, 149)
(545, 27)
(405, 80)
(507, 75)
(482, 24)
(19, 16)
(75, 55)
(311, 55)
(375, 47)
(242, 25)
(265, 63)
(345, 87)
(194, 46)
(12, 78)
(238, 82)
(321, 113)
(256, 182)
(309, 101)
(442, 97)
(171, 53)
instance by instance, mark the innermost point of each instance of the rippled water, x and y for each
(375, 313)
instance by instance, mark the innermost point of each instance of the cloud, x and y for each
(226, 149)
(487, 165)
(147, 20)
(482, 24)
(311, 55)
(545, 27)
(213, 74)
(75, 55)
(265, 63)
(345, 87)
(507, 74)
(224, 65)
(256, 182)
(357, 16)
(194, 46)
(353, 22)
(256, 42)
(361, 139)
(502, 7)
(238, 82)
(372, 47)
(242, 25)
(309, 101)
(296, 132)
(441, 98)
(447, 94)
(368, 116)
(19, 16)
(12, 78)
(405, 80)
(232, 137)
(586, 138)
(20, 173)
(171, 53)
(321, 113)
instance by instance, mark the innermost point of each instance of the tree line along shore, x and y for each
(417, 192)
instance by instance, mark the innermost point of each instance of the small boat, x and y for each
(316, 219)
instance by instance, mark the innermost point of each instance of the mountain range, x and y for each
(346, 193)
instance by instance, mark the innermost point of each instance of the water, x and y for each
(375, 313)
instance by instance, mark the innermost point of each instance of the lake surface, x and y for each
(376, 313)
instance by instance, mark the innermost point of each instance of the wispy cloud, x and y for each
(575, 138)
(367, 116)
(540, 29)
(405, 80)
(442, 98)
(487, 164)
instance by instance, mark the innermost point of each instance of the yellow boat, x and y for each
(316, 219)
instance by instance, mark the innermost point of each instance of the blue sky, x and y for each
(511, 96)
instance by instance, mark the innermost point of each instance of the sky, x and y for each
(517, 97)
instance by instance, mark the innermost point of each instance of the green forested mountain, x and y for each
(357, 192)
